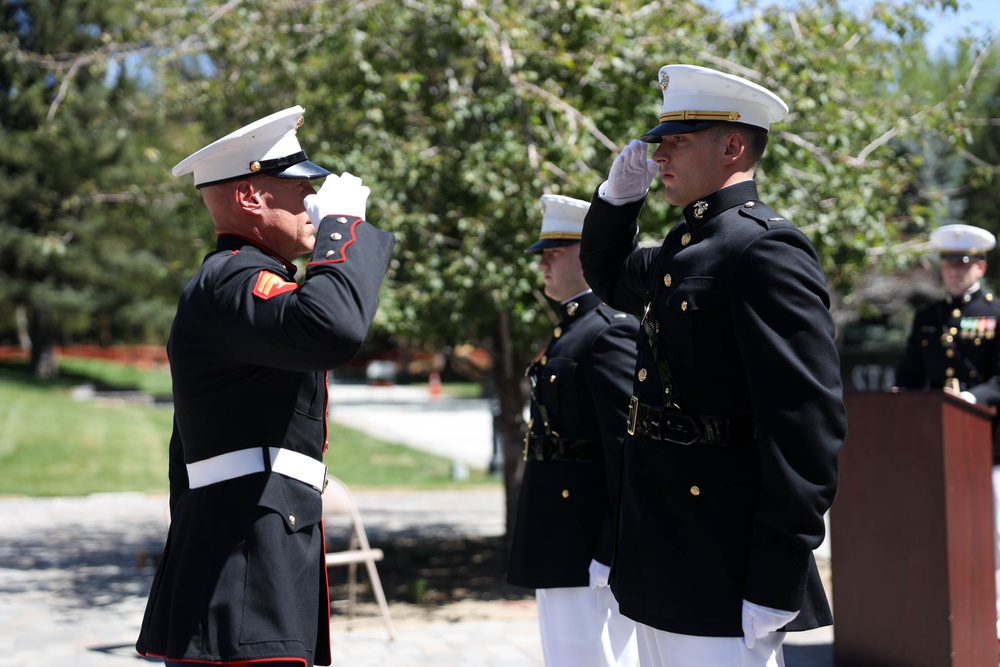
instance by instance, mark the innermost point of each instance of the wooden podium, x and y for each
(911, 534)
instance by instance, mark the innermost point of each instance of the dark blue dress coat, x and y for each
(739, 312)
(243, 574)
(566, 509)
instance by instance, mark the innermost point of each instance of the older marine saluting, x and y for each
(243, 575)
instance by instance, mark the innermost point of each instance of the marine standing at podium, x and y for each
(953, 344)
(565, 530)
(737, 417)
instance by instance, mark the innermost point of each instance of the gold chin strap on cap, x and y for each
(731, 116)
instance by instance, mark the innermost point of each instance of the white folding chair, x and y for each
(338, 500)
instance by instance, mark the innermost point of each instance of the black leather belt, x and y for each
(547, 448)
(681, 428)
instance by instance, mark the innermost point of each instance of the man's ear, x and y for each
(734, 148)
(247, 197)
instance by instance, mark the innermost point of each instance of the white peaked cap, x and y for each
(963, 240)
(695, 98)
(267, 146)
(562, 221)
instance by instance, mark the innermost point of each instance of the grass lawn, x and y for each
(53, 444)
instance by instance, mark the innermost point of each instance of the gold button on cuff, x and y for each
(642, 375)
(695, 491)
(331, 253)
(685, 239)
(336, 236)
(565, 493)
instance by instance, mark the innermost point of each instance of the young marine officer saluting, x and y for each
(565, 530)
(737, 415)
(953, 342)
(243, 579)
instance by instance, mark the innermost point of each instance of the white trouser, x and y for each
(658, 648)
(996, 536)
(582, 627)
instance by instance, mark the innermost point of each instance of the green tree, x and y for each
(460, 113)
(76, 214)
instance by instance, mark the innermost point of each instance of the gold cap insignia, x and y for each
(664, 82)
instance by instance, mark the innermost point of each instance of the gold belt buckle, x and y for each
(633, 414)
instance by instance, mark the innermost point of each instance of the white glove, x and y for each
(340, 195)
(759, 622)
(598, 574)
(630, 176)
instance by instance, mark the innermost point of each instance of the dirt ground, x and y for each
(448, 581)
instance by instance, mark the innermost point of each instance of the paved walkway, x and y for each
(75, 572)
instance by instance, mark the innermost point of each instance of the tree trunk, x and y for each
(508, 421)
(43, 357)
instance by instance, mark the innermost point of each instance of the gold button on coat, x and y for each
(545, 360)
(684, 305)
(642, 375)
(695, 491)
(685, 239)
(291, 519)
(957, 312)
(552, 378)
(341, 219)
(565, 493)
(667, 280)
(557, 332)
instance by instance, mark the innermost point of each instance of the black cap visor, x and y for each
(304, 169)
(290, 166)
(656, 135)
(963, 257)
(539, 246)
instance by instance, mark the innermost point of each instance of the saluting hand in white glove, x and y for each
(759, 622)
(339, 195)
(630, 176)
